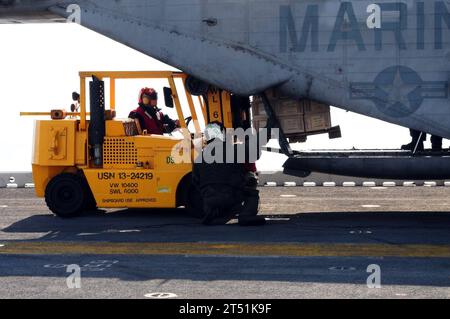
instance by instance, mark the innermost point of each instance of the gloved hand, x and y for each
(169, 124)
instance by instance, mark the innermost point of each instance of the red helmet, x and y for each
(149, 92)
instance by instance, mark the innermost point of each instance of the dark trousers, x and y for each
(221, 198)
(436, 141)
(251, 196)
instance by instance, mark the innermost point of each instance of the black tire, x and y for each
(190, 198)
(91, 204)
(66, 195)
(194, 203)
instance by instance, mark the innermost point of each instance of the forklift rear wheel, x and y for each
(66, 195)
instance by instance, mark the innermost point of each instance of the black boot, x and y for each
(210, 216)
(251, 206)
(411, 146)
(436, 147)
(251, 202)
(247, 216)
(221, 216)
(417, 140)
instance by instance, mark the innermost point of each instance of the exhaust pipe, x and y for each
(97, 128)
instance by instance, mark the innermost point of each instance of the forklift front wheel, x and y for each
(66, 196)
(194, 204)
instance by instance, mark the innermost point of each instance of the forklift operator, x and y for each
(150, 117)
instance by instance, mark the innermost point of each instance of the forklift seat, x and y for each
(132, 127)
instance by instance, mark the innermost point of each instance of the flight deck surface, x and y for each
(319, 242)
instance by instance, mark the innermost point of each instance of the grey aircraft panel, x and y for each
(325, 50)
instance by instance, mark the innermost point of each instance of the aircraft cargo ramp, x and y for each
(381, 164)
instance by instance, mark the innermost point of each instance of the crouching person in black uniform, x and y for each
(222, 180)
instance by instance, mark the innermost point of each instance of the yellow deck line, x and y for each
(224, 249)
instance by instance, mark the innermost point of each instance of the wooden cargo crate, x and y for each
(298, 124)
(290, 106)
(281, 107)
(296, 117)
(314, 107)
(317, 121)
(289, 124)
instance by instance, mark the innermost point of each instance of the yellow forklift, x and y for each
(86, 160)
